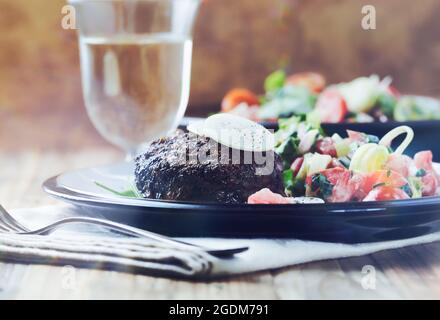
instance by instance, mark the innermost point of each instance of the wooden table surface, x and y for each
(40, 149)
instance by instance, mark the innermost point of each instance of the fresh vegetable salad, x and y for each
(359, 167)
(364, 99)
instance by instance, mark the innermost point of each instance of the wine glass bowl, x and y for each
(135, 66)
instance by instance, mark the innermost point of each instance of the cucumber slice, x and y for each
(313, 163)
(317, 162)
(342, 148)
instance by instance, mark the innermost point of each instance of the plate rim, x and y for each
(416, 123)
(343, 209)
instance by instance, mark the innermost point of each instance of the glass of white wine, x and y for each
(135, 66)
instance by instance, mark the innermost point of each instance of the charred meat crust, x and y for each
(187, 167)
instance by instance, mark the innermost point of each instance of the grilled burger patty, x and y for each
(188, 167)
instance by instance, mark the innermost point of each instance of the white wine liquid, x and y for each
(136, 88)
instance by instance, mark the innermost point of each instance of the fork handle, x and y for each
(128, 230)
(132, 231)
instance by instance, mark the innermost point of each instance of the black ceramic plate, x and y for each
(338, 222)
(427, 133)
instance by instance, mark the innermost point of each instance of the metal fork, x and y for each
(10, 225)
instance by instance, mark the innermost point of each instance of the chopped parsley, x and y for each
(321, 186)
(345, 161)
(408, 190)
(129, 193)
(372, 139)
(293, 186)
(275, 81)
(288, 150)
(421, 173)
(377, 185)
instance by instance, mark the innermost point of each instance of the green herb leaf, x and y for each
(275, 81)
(287, 101)
(408, 190)
(372, 139)
(321, 186)
(386, 103)
(288, 123)
(345, 161)
(298, 187)
(287, 177)
(377, 185)
(288, 150)
(421, 173)
(416, 186)
(130, 193)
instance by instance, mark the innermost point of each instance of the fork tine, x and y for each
(4, 225)
(9, 221)
(3, 228)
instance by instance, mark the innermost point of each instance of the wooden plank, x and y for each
(358, 268)
(320, 280)
(411, 279)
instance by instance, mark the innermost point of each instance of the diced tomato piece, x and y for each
(265, 196)
(356, 136)
(430, 184)
(359, 185)
(340, 179)
(236, 96)
(331, 106)
(326, 146)
(342, 190)
(296, 165)
(431, 180)
(309, 180)
(423, 160)
(387, 178)
(312, 80)
(334, 175)
(385, 193)
(399, 163)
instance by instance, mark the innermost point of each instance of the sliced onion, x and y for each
(390, 136)
(369, 157)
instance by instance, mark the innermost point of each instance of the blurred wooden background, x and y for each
(237, 43)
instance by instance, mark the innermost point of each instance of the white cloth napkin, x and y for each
(95, 247)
